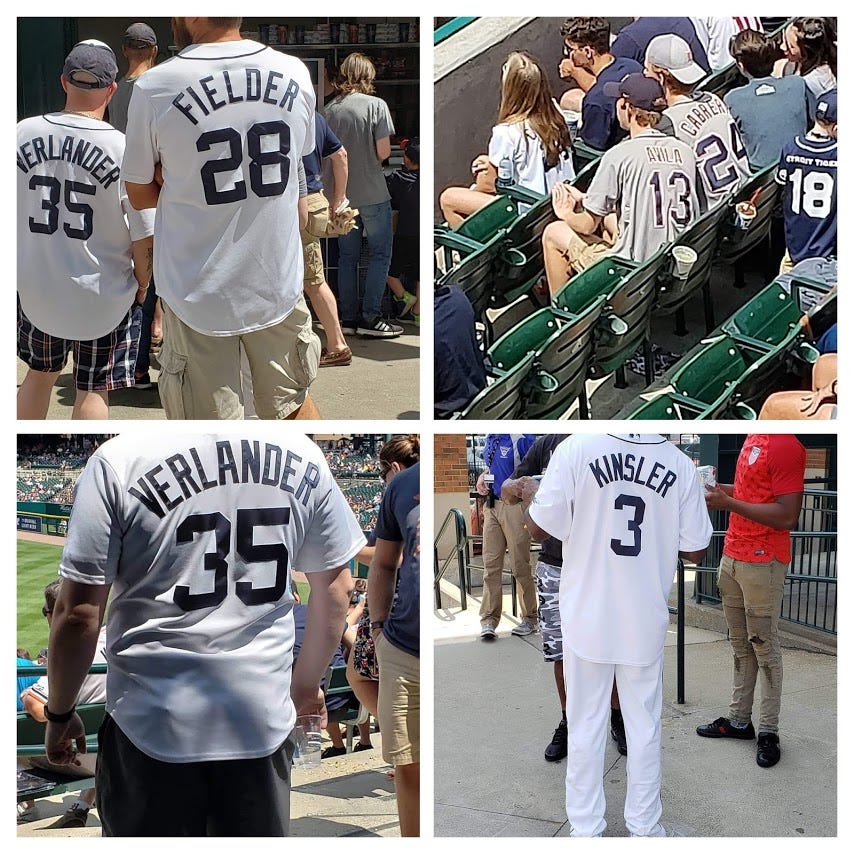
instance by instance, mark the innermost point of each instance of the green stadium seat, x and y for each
(335, 682)
(527, 336)
(583, 155)
(735, 243)
(484, 224)
(503, 398)
(663, 407)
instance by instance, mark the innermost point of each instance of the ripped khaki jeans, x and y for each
(752, 594)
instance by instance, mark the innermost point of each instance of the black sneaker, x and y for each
(768, 750)
(618, 733)
(142, 381)
(378, 328)
(556, 749)
(330, 752)
(722, 728)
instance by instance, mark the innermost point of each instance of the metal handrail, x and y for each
(459, 551)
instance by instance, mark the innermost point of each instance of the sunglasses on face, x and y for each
(45, 611)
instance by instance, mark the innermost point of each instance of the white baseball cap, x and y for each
(674, 54)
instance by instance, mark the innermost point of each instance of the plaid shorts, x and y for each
(103, 364)
(548, 585)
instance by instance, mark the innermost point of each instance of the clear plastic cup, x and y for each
(307, 737)
(707, 475)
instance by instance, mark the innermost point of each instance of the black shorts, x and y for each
(404, 258)
(100, 365)
(141, 796)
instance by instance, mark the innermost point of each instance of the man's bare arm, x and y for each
(340, 173)
(383, 148)
(142, 252)
(781, 514)
(693, 557)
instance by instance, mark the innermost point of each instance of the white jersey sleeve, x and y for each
(140, 223)
(503, 143)
(141, 153)
(553, 505)
(695, 526)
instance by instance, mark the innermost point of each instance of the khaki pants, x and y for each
(787, 264)
(504, 530)
(752, 594)
(399, 703)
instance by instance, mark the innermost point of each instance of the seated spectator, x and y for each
(769, 111)
(819, 404)
(643, 194)
(588, 61)
(93, 690)
(633, 39)
(458, 371)
(714, 34)
(809, 45)
(531, 135)
(24, 682)
(702, 120)
(807, 172)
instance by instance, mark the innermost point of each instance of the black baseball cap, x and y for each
(90, 65)
(412, 149)
(641, 92)
(140, 35)
(825, 108)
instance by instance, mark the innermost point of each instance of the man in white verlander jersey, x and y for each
(228, 120)
(701, 120)
(625, 508)
(83, 251)
(642, 196)
(196, 536)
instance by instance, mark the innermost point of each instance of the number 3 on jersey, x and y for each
(247, 521)
(633, 525)
(259, 157)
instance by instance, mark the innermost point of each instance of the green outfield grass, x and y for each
(38, 564)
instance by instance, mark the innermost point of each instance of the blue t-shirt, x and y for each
(807, 172)
(398, 523)
(24, 682)
(336, 701)
(325, 144)
(633, 40)
(827, 342)
(769, 112)
(599, 126)
(458, 370)
(502, 452)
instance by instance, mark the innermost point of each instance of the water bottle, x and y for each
(505, 175)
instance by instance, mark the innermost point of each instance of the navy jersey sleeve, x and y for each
(327, 142)
(596, 121)
(625, 45)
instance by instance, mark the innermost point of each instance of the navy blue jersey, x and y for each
(807, 172)
(599, 125)
(325, 144)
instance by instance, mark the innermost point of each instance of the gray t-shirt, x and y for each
(118, 107)
(650, 182)
(359, 121)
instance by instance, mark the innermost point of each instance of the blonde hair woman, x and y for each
(531, 133)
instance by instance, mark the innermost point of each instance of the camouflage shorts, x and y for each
(548, 584)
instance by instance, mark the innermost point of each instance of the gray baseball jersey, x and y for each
(198, 534)
(75, 226)
(649, 181)
(705, 123)
(228, 122)
(624, 507)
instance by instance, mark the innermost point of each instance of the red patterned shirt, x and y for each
(768, 466)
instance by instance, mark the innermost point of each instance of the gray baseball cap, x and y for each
(90, 65)
(140, 33)
(674, 54)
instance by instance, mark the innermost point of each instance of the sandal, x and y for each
(332, 359)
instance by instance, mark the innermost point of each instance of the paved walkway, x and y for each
(347, 796)
(382, 382)
(496, 708)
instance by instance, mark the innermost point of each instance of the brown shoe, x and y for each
(335, 358)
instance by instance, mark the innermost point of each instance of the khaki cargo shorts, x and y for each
(318, 217)
(200, 374)
(399, 704)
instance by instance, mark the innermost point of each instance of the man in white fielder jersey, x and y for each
(196, 536)
(625, 508)
(228, 120)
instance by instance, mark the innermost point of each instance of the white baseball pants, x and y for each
(588, 692)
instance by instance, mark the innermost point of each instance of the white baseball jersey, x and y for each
(229, 122)
(714, 35)
(523, 148)
(198, 534)
(623, 507)
(705, 123)
(649, 181)
(75, 226)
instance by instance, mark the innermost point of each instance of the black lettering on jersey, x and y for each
(66, 150)
(617, 467)
(38, 149)
(308, 484)
(92, 157)
(186, 109)
(223, 451)
(251, 460)
(210, 92)
(272, 86)
(253, 84)
(26, 156)
(206, 484)
(288, 470)
(160, 488)
(198, 100)
(80, 152)
(290, 95)
(270, 477)
(653, 475)
(232, 98)
(669, 480)
(602, 479)
(628, 467)
(146, 498)
(179, 466)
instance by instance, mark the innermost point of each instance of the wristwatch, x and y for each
(377, 624)
(53, 717)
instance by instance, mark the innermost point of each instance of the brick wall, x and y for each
(449, 463)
